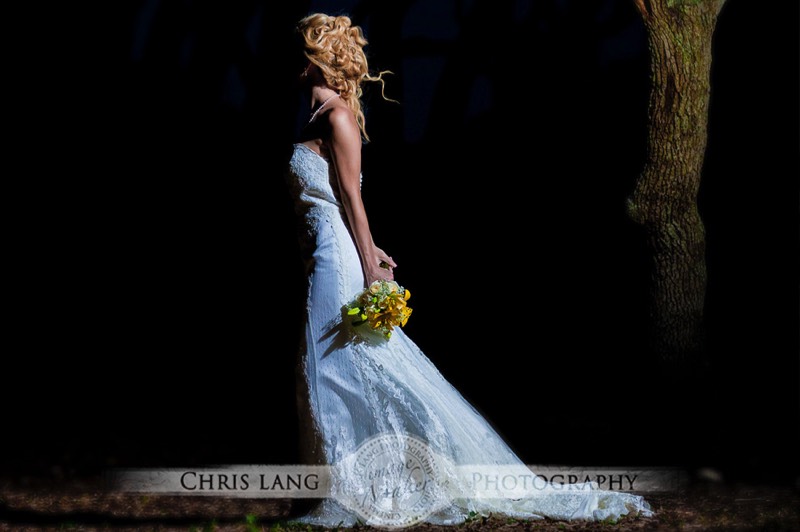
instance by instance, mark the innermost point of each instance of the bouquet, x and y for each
(382, 306)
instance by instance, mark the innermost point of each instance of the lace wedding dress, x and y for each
(353, 388)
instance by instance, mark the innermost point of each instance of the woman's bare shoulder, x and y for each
(342, 126)
(341, 118)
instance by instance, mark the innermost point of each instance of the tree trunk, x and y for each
(664, 199)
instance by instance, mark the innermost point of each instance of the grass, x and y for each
(85, 507)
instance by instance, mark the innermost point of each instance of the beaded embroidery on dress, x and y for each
(351, 389)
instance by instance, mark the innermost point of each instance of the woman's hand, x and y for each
(375, 271)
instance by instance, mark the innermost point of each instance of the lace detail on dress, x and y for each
(354, 387)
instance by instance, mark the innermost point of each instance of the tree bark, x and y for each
(664, 199)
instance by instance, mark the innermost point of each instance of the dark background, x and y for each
(160, 289)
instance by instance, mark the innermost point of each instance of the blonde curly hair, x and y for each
(336, 46)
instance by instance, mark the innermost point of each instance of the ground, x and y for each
(30, 504)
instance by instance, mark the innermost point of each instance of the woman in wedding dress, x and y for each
(371, 402)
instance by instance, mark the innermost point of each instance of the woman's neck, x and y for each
(321, 93)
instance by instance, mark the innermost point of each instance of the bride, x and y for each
(402, 444)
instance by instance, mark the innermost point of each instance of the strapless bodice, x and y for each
(311, 181)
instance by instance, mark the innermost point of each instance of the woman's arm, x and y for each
(345, 150)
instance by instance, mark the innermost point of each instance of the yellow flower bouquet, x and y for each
(382, 307)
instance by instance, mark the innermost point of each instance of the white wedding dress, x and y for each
(352, 388)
